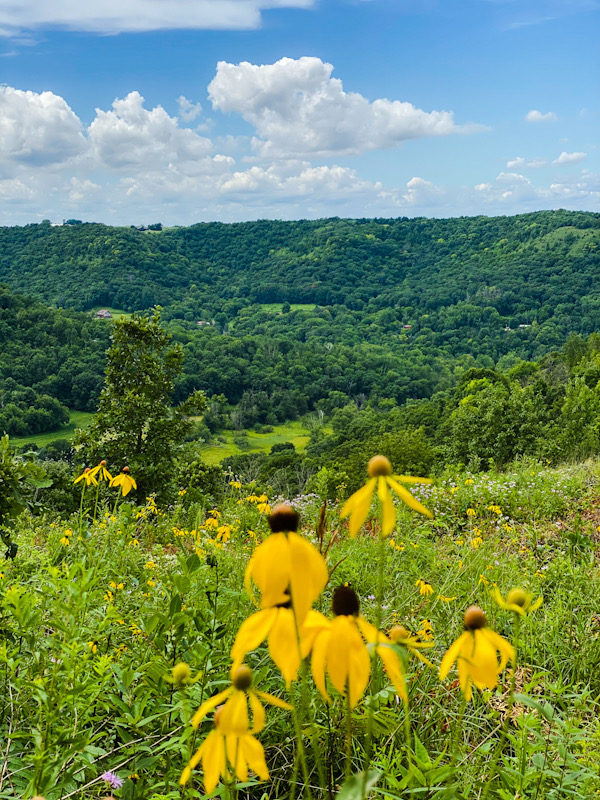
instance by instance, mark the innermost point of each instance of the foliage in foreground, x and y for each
(114, 630)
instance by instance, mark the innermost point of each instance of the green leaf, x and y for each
(356, 787)
(421, 754)
(544, 708)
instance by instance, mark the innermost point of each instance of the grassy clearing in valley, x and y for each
(77, 419)
(295, 432)
(117, 313)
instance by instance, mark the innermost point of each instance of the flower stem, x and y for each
(378, 618)
(511, 702)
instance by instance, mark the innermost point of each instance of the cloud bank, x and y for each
(135, 164)
(136, 16)
(299, 110)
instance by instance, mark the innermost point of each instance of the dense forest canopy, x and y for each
(522, 266)
(279, 318)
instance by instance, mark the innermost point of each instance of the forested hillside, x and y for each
(531, 266)
(50, 360)
(296, 316)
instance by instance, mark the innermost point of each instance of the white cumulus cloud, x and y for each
(521, 163)
(131, 136)
(116, 16)
(37, 129)
(537, 116)
(188, 111)
(299, 110)
(568, 158)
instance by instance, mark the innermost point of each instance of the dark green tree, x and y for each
(136, 425)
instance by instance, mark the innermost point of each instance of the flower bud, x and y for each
(517, 597)
(399, 633)
(181, 673)
(379, 465)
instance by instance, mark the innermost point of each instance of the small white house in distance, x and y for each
(103, 313)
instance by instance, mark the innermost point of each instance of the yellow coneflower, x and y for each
(227, 756)
(475, 654)
(286, 567)
(381, 479)
(101, 472)
(233, 716)
(424, 587)
(86, 476)
(124, 481)
(517, 600)
(338, 648)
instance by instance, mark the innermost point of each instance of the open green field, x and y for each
(77, 419)
(117, 313)
(294, 432)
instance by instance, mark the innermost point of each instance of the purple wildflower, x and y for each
(112, 779)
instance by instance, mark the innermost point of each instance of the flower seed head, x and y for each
(284, 518)
(345, 601)
(517, 597)
(242, 678)
(181, 673)
(125, 469)
(474, 619)
(103, 462)
(398, 633)
(87, 469)
(379, 465)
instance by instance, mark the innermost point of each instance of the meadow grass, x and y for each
(98, 615)
(77, 419)
(294, 432)
(117, 313)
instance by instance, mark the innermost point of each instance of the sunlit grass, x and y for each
(295, 432)
(77, 419)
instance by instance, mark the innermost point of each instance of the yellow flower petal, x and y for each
(214, 761)
(233, 718)
(252, 751)
(358, 506)
(258, 712)
(451, 655)
(308, 574)
(393, 667)
(269, 568)
(274, 701)
(318, 661)
(407, 497)
(388, 522)
(208, 705)
(283, 644)
(252, 632)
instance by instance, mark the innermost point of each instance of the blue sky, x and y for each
(180, 111)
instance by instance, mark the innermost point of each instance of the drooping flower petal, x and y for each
(251, 633)
(283, 644)
(358, 505)
(210, 704)
(308, 574)
(407, 497)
